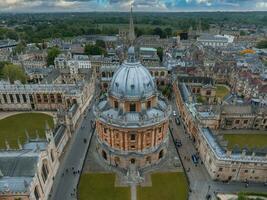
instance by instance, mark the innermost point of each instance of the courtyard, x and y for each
(222, 91)
(101, 186)
(13, 127)
(247, 139)
(167, 186)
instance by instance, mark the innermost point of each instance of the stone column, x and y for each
(8, 99)
(15, 98)
(21, 99)
(126, 142)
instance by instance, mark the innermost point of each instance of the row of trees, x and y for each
(12, 72)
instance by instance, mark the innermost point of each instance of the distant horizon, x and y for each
(136, 12)
(58, 6)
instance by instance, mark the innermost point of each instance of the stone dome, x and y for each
(132, 80)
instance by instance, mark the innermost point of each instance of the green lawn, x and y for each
(246, 140)
(221, 91)
(165, 186)
(98, 186)
(13, 127)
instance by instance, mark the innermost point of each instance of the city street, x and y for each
(67, 178)
(200, 181)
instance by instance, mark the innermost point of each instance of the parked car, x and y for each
(178, 143)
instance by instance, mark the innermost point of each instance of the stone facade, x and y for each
(221, 163)
(132, 120)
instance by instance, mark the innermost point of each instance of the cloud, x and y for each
(261, 5)
(124, 5)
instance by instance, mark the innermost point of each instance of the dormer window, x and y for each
(132, 86)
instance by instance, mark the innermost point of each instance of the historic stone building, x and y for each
(132, 120)
(43, 96)
(202, 123)
(28, 173)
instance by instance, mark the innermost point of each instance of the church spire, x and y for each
(131, 28)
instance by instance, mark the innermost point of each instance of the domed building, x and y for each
(132, 120)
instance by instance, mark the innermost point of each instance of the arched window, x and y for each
(36, 193)
(161, 154)
(45, 171)
(52, 156)
(156, 73)
(104, 155)
(162, 73)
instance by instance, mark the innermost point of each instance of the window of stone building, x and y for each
(245, 121)
(132, 160)
(198, 90)
(162, 73)
(39, 99)
(148, 105)
(246, 171)
(132, 137)
(132, 107)
(52, 156)
(208, 92)
(36, 193)
(11, 98)
(24, 98)
(237, 121)
(233, 170)
(45, 98)
(116, 104)
(104, 155)
(228, 122)
(52, 98)
(17, 97)
(159, 129)
(161, 154)
(148, 159)
(105, 130)
(59, 98)
(5, 99)
(156, 73)
(220, 169)
(45, 172)
(264, 121)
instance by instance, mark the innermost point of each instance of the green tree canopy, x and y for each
(262, 44)
(100, 43)
(51, 55)
(13, 73)
(160, 53)
(94, 50)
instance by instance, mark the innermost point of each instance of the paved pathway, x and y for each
(200, 182)
(133, 192)
(65, 184)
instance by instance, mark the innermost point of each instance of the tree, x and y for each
(160, 32)
(13, 73)
(94, 50)
(160, 53)
(262, 44)
(51, 55)
(20, 47)
(100, 43)
(168, 31)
